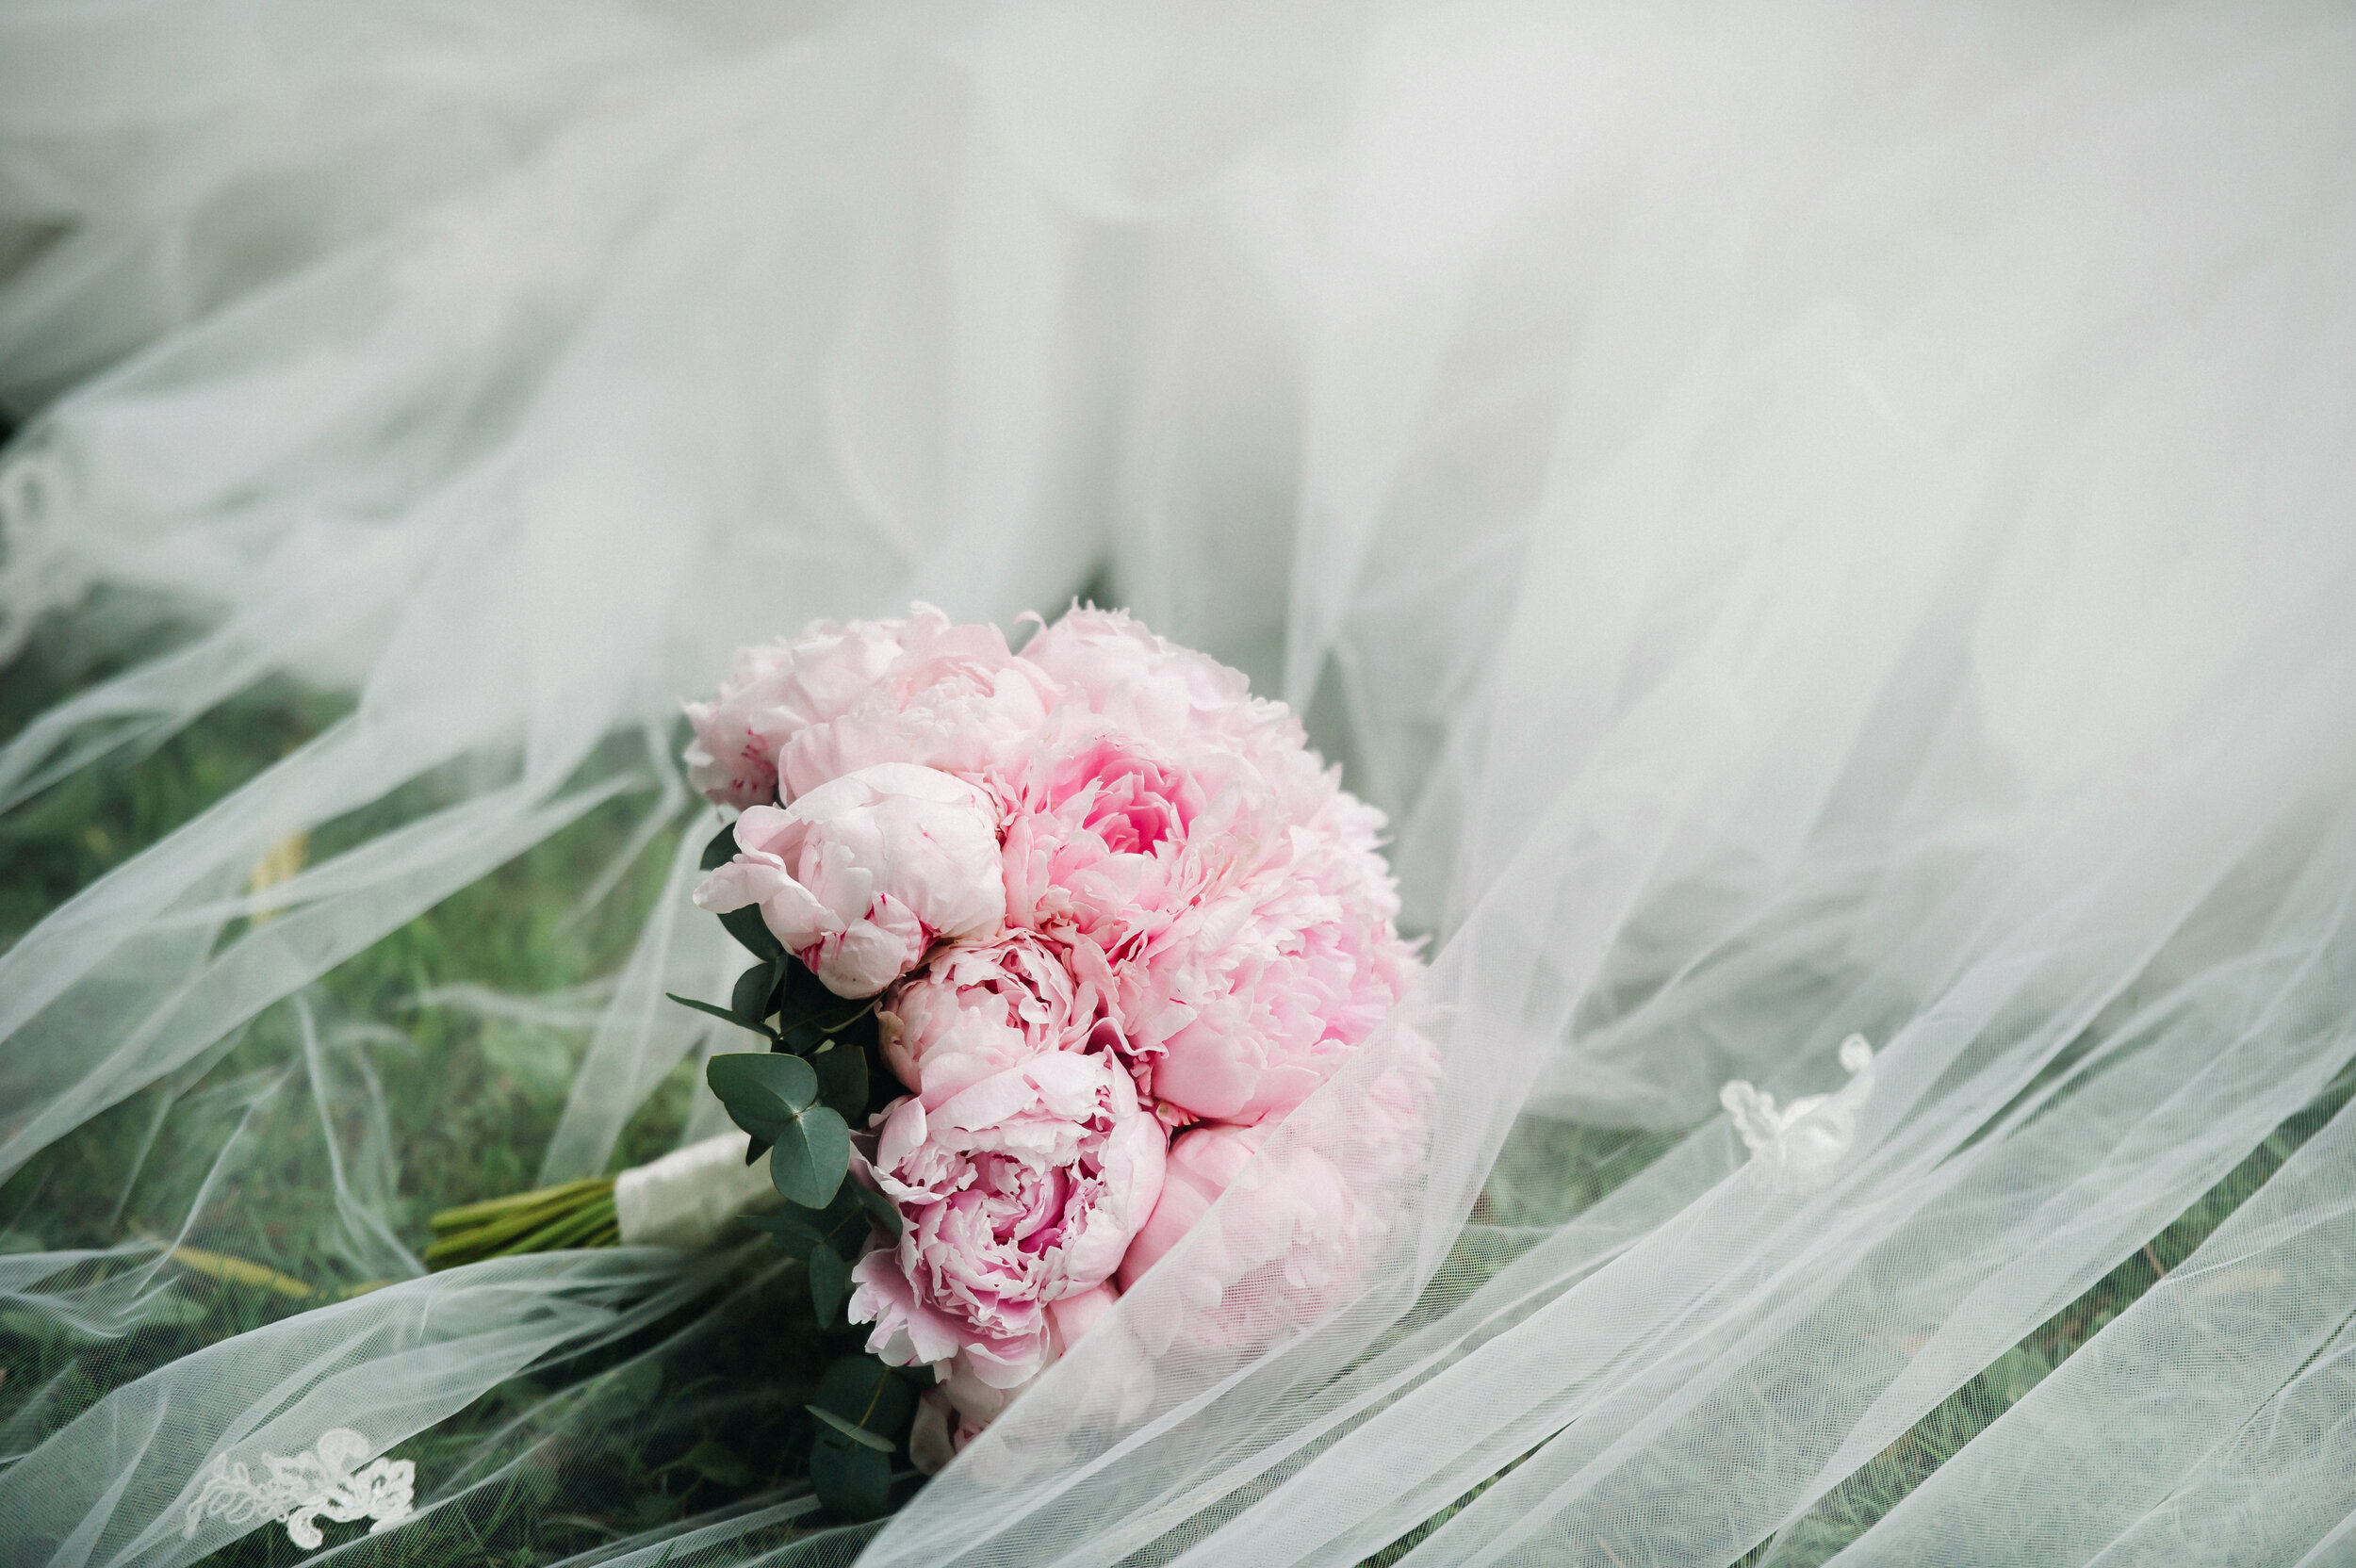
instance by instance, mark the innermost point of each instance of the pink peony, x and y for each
(1109, 840)
(1104, 892)
(1018, 1198)
(776, 691)
(1256, 997)
(1159, 691)
(939, 1432)
(1298, 1228)
(953, 699)
(1204, 1163)
(1279, 1252)
(861, 877)
(979, 1008)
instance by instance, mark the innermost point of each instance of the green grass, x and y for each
(693, 1416)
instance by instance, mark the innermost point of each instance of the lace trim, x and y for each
(1793, 1149)
(327, 1481)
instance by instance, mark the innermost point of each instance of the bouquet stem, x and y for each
(686, 1199)
(572, 1214)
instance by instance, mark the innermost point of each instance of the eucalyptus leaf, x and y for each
(752, 933)
(763, 1086)
(860, 1388)
(829, 1283)
(843, 1081)
(811, 1155)
(749, 999)
(843, 1224)
(795, 1235)
(850, 1479)
(852, 1431)
(719, 1012)
(882, 1209)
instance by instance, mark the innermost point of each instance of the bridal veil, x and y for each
(1815, 521)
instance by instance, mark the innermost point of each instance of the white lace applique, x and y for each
(327, 1481)
(1792, 1148)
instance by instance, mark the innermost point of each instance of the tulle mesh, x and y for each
(1814, 521)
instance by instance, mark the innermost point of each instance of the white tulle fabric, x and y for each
(1814, 519)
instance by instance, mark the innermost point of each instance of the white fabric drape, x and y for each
(1813, 519)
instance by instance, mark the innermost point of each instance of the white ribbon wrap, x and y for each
(687, 1198)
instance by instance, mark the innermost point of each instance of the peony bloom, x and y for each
(1298, 1230)
(953, 699)
(1204, 1163)
(1109, 840)
(939, 1432)
(1282, 1251)
(775, 691)
(979, 1008)
(1159, 691)
(1018, 1198)
(1255, 998)
(859, 878)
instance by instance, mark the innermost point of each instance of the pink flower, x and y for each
(1110, 839)
(1280, 1250)
(1298, 1228)
(776, 691)
(981, 1007)
(953, 699)
(1255, 998)
(939, 1432)
(1018, 1197)
(1203, 1164)
(1156, 689)
(861, 877)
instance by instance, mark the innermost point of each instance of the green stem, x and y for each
(577, 1214)
(470, 1214)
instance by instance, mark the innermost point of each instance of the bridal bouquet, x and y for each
(1047, 943)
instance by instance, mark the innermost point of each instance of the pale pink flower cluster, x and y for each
(1121, 921)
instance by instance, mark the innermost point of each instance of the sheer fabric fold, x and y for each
(1814, 521)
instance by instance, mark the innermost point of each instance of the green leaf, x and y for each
(793, 1235)
(849, 1477)
(852, 1429)
(885, 1212)
(750, 996)
(717, 1011)
(716, 1464)
(822, 1010)
(829, 1283)
(811, 1155)
(752, 933)
(763, 1086)
(843, 1081)
(865, 1393)
(801, 1038)
(745, 925)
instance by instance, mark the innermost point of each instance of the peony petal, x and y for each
(904, 1129)
(794, 917)
(761, 827)
(907, 1331)
(863, 960)
(746, 880)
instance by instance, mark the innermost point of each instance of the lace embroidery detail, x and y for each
(1793, 1149)
(327, 1481)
